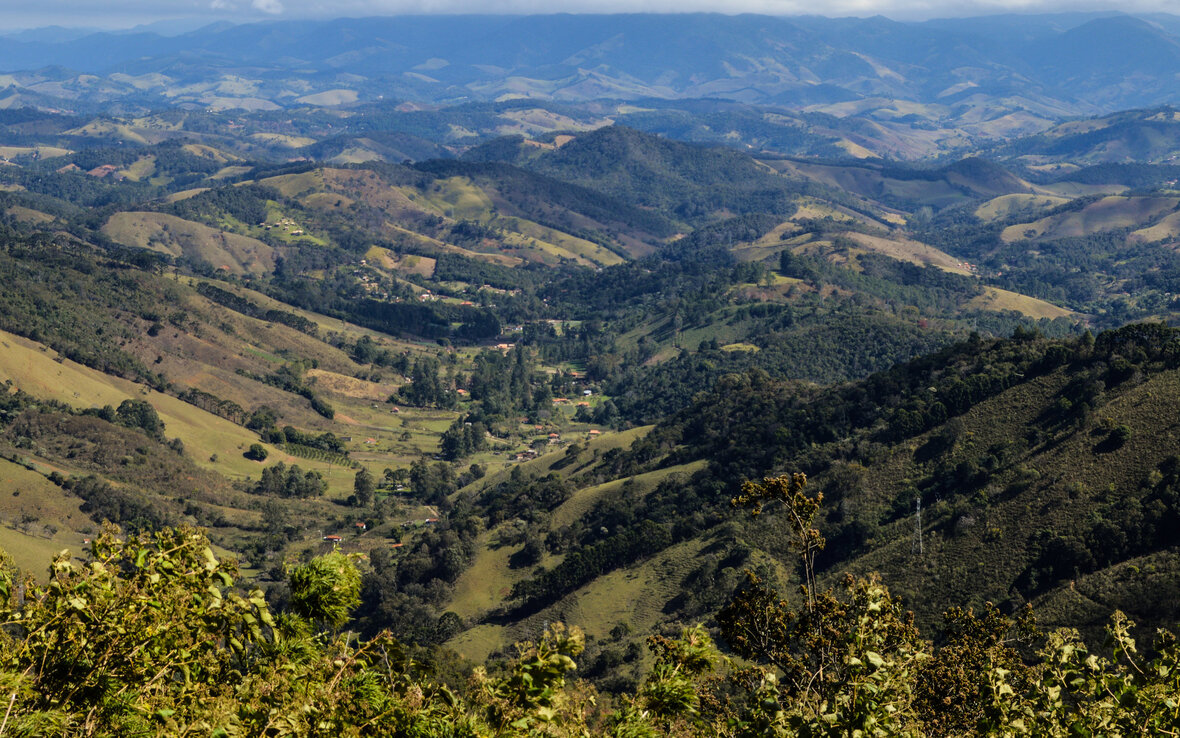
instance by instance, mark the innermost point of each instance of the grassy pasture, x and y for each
(1016, 205)
(26, 494)
(296, 185)
(178, 237)
(142, 168)
(994, 298)
(584, 499)
(904, 249)
(403, 263)
(485, 584)
(113, 129)
(229, 172)
(282, 140)
(634, 595)
(329, 98)
(44, 152)
(42, 374)
(459, 198)
(29, 216)
(1109, 213)
(1165, 229)
(563, 244)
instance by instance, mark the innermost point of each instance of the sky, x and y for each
(187, 14)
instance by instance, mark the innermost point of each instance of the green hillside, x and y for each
(591, 376)
(523, 386)
(1020, 471)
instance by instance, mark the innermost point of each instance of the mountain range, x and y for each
(509, 309)
(1032, 66)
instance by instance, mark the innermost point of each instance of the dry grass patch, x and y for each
(994, 298)
(341, 384)
(904, 249)
(1009, 206)
(175, 236)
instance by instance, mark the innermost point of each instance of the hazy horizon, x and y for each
(184, 16)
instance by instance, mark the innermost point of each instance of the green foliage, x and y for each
(363, 487)
(82, 304)
(326, 589)
(591, 561)
(135, 636)
(281, 480)
(290, 379)
(246, 307)
(150, 636)
(530, 697)
(105, 502)
(462, 439)
(949, 695)
(800, 511)
(693, 182)
(209, 402)
(427, 388)
(140, 414)
(1077, 692)
(432, 482)
(246, 204)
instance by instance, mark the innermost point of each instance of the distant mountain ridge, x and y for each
(1072, 63)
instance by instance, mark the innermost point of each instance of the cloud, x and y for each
(273, 7)
(220, 5)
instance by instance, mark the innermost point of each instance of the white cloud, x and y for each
(273, 7)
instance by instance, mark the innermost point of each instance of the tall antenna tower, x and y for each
(918, 527)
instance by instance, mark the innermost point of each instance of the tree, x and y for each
(129, 639)
(847, 660)
(363, 487)
(256, 452)
(800, 510)
(283, 481)
(149, 636)
(140, 414)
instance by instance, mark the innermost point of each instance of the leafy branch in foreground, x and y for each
(149, 637)
(821, 650)
(801, 510)
(854, 664)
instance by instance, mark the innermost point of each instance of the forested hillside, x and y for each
(743, 417)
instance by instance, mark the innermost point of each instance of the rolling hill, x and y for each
(527, 376)
(1034, 461)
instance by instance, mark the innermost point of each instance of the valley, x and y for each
(510, 338)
